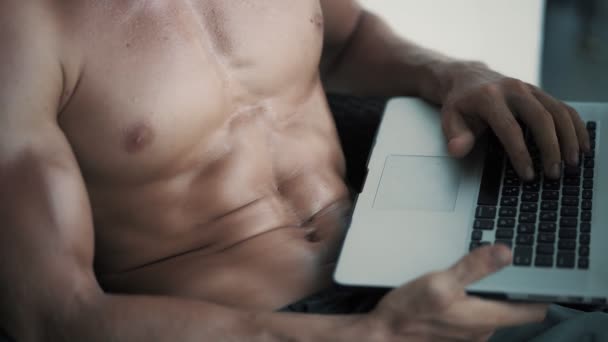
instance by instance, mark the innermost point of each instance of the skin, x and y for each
(167, 176)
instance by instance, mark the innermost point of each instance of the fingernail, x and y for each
(529, 173)
(575, 158)
(501, 256)
(556, 170)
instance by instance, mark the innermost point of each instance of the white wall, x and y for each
(506, 34)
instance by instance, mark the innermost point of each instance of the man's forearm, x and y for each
(376, 61)
(139, 318)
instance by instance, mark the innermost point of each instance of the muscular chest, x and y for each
(161, 77)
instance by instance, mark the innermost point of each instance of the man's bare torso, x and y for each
(210, 156)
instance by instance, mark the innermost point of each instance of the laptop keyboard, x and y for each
(546, 222)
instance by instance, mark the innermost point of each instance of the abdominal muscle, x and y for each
(263, 272)
(257, 226)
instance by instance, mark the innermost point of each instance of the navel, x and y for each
(137, 138)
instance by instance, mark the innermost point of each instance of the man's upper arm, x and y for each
(341, 18)
(46, 239)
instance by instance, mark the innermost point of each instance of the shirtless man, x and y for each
(170, 170)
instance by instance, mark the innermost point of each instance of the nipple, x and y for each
(137, 138)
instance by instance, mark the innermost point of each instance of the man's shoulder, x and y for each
(31, 63)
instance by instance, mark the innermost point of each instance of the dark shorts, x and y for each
(561, 324)
(4, 337)
(337, 300)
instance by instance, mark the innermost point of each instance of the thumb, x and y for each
(480, 263)
(461, 138)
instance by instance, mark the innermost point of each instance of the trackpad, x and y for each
(419, 183)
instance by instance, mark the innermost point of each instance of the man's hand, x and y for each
(435, 307)
(475, 97)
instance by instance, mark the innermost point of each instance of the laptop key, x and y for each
(512, 181)
(505, 222)
(588, 184)
(529, 197)
(570, 201)
(565, 244)
(525, 228)
(567, 233)
(546, 249)
(571, 191)
(584, 239)
(484, 212)
(568, 222)
(548, 216)
(570, 211)
(572, 181)
(510, 172)
(484, 224)
(587, 205)
(586, 216)
(588, 194)
(524, 239)
(546, 238)
(588, 173)
(522, 256)
(585, 227)
(589, 163)
(505, 234)
(532, 187)
(510, 191)
(583, 263)
(507, 212)
(572, 171)
(565, 260)
(529, 207)
(509, 201)
(583, 251)
(548, 205)
(548, 227)
(477, 235)
(591, 125)
(527, 217)
(551, 185)
(551, 195)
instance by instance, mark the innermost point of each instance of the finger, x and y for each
(484, 337)
(479, 264)
(541, 123)
(581, 129)
(437, 331)
(479, 314)
(566, 132)
(461, 138)
(510, 134)
(448, 329)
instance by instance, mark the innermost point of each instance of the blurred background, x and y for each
(560, 45)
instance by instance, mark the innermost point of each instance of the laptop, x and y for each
(421, 210)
